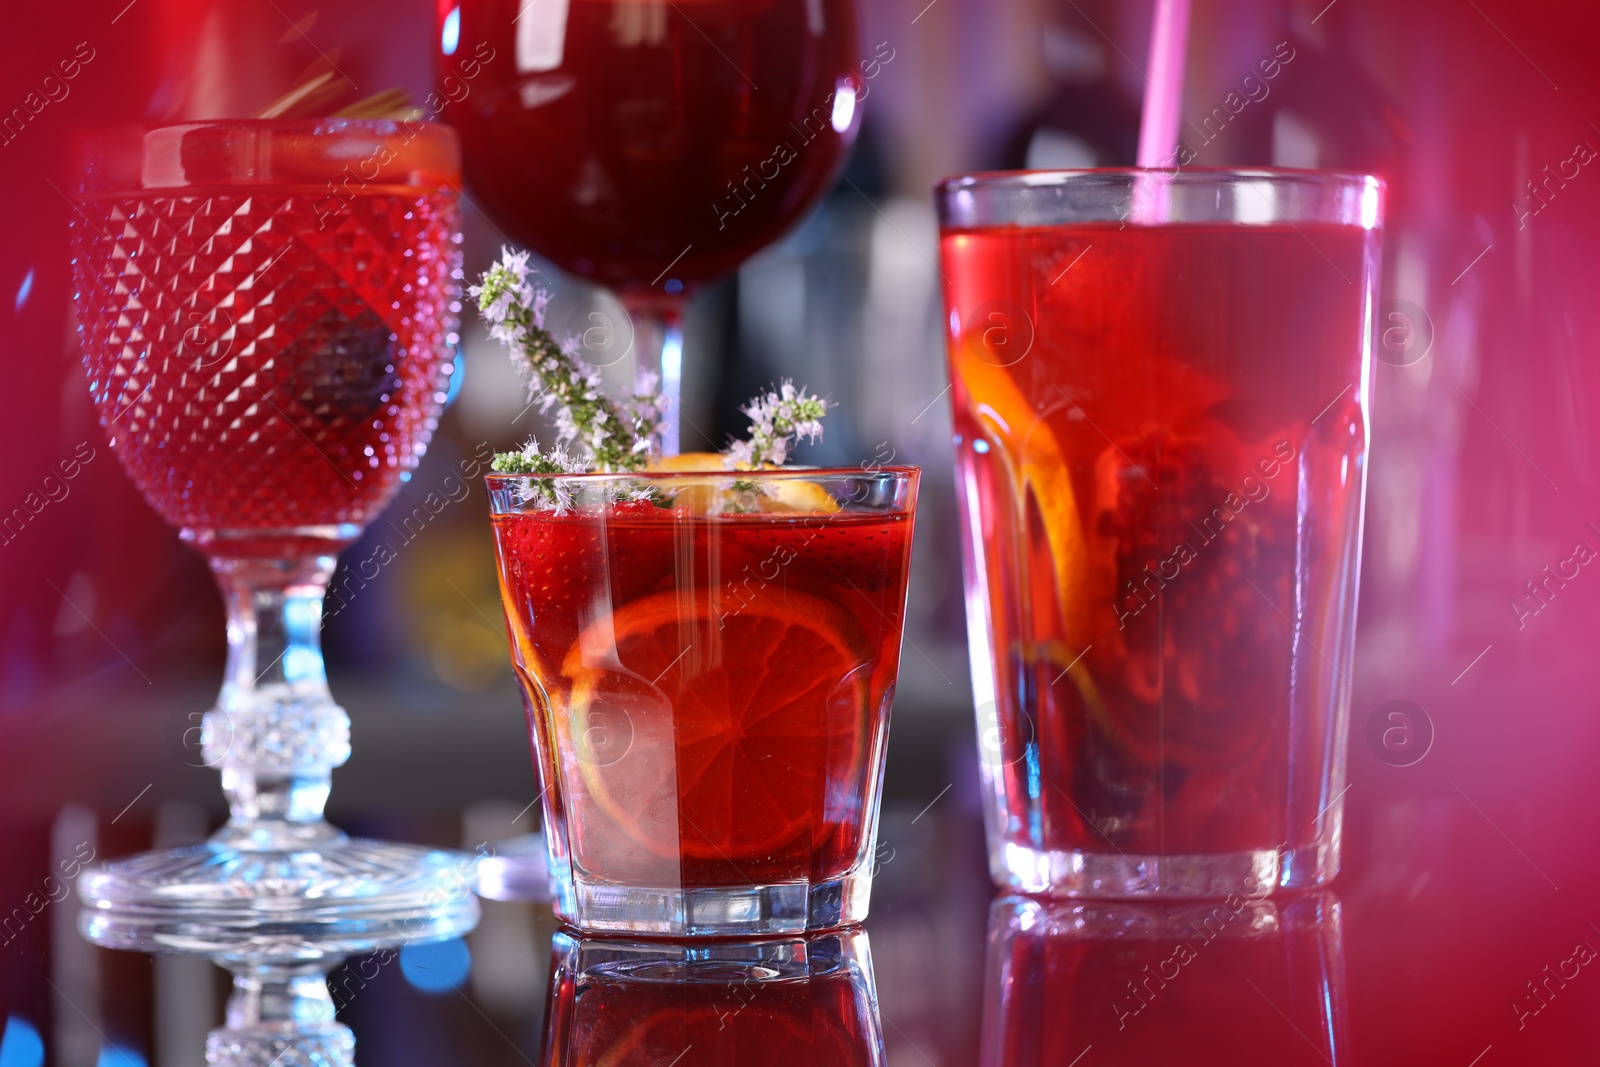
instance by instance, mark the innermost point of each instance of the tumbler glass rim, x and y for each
(252, 152)
(1143, 197)
(897, 471)
(1054, 177)
(531, 493)
(300, 123)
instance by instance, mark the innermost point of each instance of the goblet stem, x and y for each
(276, 733)
(279, 1015)
(277, 887)
(658, 342)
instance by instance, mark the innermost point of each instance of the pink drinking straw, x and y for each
(1163, 87)
(1163, 103)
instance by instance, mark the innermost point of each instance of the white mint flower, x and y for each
(566, 428)
(507, 333)
(500, 307)
(778, 420)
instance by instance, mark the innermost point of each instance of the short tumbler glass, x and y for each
(1160, 388)
(708, 662)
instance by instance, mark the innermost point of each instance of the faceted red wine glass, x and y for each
(267, 311)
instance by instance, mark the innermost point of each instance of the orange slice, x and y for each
(1034, 461)
(710, 731)
(1038, 469)
(713, 495)
(694, 462)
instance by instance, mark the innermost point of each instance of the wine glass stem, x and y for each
(658, 340)
(276, 733)
(281, 1013)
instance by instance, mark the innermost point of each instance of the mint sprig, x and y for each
(615, 439)
(594, 432)
(531, 461)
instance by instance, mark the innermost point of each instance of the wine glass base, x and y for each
(340, 897)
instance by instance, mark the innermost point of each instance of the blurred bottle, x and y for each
(1088, 117)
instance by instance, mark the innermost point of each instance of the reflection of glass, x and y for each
(649, 145)
(268, 353)
(770, 1003)
(1160, 390)
(1222, 982)
(708, 662)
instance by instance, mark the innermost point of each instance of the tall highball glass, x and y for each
(1160, 388)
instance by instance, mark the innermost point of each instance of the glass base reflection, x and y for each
(280, 921)
(1240, 980)
(776, 1003)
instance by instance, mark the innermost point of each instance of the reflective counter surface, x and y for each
(1460, 932)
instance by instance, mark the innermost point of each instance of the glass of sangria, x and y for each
(708, 662)
(651, 146)
(1160, 391)
(267, 312)
(781, 1003)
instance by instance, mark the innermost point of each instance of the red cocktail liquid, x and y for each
(621, 138)
(1160, 441)
(268, 358)
(709, 695)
